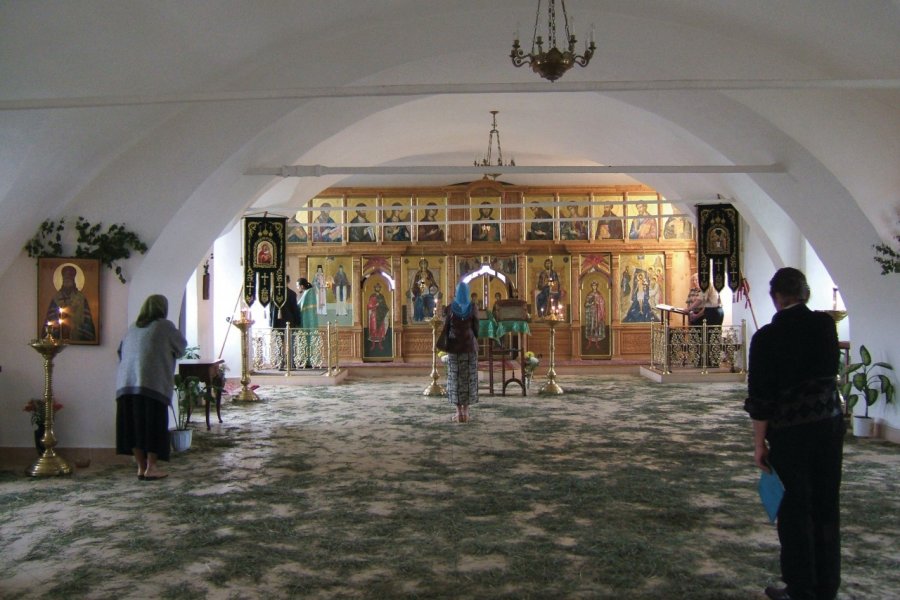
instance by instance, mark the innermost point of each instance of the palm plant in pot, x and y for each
(859, 377)
(189, 391)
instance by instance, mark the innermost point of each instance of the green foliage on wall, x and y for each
(887, 257)
(110, 246)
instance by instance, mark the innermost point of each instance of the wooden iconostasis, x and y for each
(383, 262)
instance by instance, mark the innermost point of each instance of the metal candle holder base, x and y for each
(551, 388)
(434, 388)
(50, 463)
(246, 394)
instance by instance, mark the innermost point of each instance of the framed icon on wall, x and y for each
(69, 299)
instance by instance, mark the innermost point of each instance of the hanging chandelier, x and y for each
(488, 159)
(553, 63)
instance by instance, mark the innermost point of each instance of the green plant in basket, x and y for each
(859, 377)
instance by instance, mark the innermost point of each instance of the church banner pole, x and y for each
(238, 301)
(744, 290)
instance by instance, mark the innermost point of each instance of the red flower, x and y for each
(36, 408)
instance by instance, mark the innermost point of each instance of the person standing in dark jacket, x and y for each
(462, 351)
(281, 317)
(144, 385)
(287, 314)
(798, 430)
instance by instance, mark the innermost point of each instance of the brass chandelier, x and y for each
(553, 63)
(488, 159)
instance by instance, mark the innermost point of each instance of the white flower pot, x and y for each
(181, 439)
(863, 426)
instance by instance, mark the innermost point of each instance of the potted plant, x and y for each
(188, 392)
(860, 377)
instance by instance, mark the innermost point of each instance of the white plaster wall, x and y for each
(83, 376)
(228, 286)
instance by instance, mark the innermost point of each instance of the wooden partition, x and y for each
(614, 252)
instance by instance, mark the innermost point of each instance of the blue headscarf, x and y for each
(462, 304)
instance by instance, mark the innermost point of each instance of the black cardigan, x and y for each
(793, 368)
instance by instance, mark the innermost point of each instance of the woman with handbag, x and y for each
(461, 335)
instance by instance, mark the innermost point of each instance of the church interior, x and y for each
(353, 126)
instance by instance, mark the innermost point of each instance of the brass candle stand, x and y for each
(246, 394)
(50, 463)
(551, 388)
(434, 388)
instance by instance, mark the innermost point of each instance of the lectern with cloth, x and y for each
(504, 329)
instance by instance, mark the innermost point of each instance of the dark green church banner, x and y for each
(718, 246)
(264, 257)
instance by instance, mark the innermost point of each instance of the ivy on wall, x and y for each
(110, 246)
(887, 257)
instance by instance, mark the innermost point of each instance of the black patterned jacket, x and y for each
(793, 369)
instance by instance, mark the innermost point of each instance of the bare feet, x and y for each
(153, 472)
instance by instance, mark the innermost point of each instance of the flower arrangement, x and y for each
(443, 356)
(531, 363)
(36, 408)
(38, 417)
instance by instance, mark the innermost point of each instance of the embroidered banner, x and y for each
(718, 245)
(264, 250)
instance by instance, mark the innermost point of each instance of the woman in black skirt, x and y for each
(462, 351)
(144, 386)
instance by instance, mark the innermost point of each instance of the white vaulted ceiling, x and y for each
(129, 110)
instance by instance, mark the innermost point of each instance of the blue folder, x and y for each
(771, 491)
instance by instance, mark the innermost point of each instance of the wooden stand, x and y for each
(206, 371)
(514, 349)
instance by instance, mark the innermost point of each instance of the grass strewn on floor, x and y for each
(620, 488)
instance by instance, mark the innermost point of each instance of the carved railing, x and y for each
(700, 347)
(291, 349)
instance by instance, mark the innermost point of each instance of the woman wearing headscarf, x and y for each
(462, 351)
(144, 386)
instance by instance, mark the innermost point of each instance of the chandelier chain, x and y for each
(488, 159)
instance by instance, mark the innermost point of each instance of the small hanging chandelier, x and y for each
(553, 63)
(487, 160)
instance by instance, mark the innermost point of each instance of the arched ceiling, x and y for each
(118, 109)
